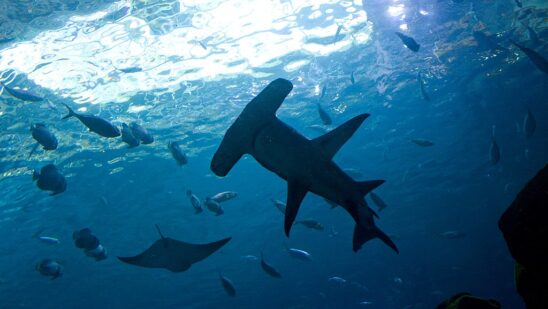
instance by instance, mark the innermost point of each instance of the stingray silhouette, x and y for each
(174, 255)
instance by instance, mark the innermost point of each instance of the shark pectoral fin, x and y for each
(331, 142)
(370, 185)
(295, 195)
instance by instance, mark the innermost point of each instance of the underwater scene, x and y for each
(273, 154)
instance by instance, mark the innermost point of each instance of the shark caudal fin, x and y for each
(238, 139)
(363, 235)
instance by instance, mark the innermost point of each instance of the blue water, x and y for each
(69, 52)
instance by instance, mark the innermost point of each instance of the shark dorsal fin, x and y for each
(331, 142)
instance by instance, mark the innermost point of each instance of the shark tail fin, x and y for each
(239, 138)
(71, 113)
(363, 235)
(369, 185)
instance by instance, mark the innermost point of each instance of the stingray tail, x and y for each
(71, 113)
(363, 235)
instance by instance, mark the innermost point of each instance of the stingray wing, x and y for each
(173, 255)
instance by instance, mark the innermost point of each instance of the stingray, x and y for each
(174, 255)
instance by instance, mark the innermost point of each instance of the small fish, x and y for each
(194, 201)
(49, 240)
(94, 123)
(453, 234)
(352, 80)
(299, 254)
(279, 205)
(49, 179)
(177, 153)
(20, 94)
(519, 4)
(318, 128)
(311, 224)
(129, 70)
(202, 45)
(324, 116)
(324, 90)
(336, 38)
(540, 62)
(213, 206)
(224, 196)
(271, 271)
(128, 137)
(409, 42)
(249, 258)
(104, 201)
(43, 137)
(425, 95)
(422, 142)
(378, 201)
(364, 303)
(353, 172)
(398, 280)
(50, 268)
(228, 286)
(529, 124)
(494, 150)
(141, 133)
(336, 280)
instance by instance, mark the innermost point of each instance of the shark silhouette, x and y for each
(305, 164)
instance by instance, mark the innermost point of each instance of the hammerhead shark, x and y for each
(305, 164)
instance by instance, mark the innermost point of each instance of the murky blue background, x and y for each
(69, 52)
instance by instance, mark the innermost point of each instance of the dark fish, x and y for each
(422, 142)
(173, 255)
(326, 119)
(141, 133)
(94, 123)
(311, 224)
(494, 151)
(336, 38)
(352, 80)
(128, 137)
(378, 201)
(486, 42)
(540, 62)
(50, 268)
(49, 179)
(324, 90)
(425, 95)
(22, 94)
(85, 240)
(131, 70)
(529, 124)
(202, 45)
(409, 42)
(177, 153)
(271, 271)
(213, 206)
(227, 285)
(43, 136)
(194, 201)
(518, 3)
